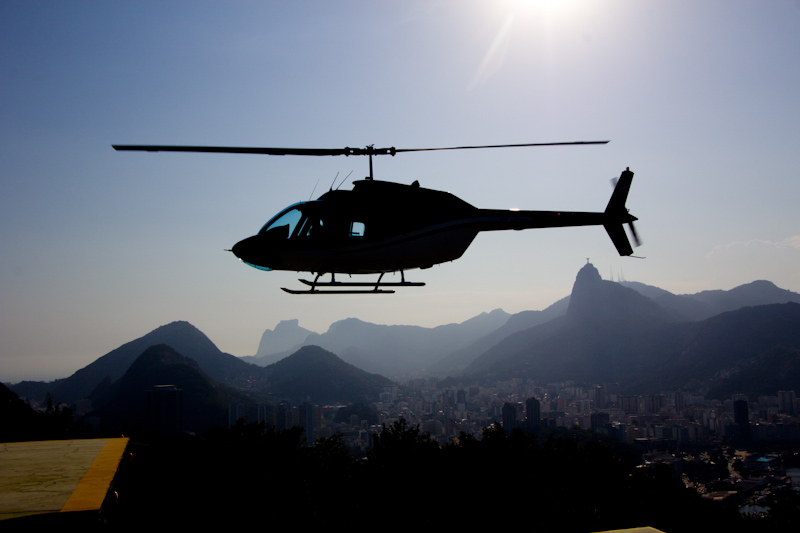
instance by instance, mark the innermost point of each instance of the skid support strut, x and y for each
(352, 287)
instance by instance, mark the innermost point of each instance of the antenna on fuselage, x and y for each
(345, 179)
(310, 196)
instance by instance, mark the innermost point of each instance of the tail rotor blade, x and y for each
(636, 240)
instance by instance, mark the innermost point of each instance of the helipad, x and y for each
(63, 476)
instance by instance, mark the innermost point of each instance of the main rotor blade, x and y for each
(368, 150)
(240, 150)
(497, 146)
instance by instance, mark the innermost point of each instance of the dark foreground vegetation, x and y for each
(251, 475)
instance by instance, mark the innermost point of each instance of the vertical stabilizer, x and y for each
(617, 214)
(620, 194)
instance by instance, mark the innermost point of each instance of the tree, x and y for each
(398, 440)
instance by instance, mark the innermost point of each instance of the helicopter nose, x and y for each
(252, 251)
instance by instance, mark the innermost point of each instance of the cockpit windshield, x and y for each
(287, 220)
(307, 221)
(294, 223)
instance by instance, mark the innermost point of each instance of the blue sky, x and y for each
(99, 247)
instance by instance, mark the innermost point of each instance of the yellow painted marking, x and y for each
(91, 491)
(39, 477)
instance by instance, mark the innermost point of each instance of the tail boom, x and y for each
(612, 219)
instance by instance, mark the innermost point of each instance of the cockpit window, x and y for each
(357, 230)
(288, 220)
(310, 226)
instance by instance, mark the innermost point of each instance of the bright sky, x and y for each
(700, 98)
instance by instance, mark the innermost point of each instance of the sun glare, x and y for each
(521, 17)
(540, 5)
(493, 57)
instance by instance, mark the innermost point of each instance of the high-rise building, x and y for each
(741, 416)
(599, 420)
(235, 412)
(653, 403)
(599, 397)
(307, 421)
(283, 416)
(509, 417)
(629, 404)
(786, 402)
(164, 409)
(260, 412)
(680, 401)
(533, 413)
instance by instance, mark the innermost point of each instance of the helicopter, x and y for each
(382, 227)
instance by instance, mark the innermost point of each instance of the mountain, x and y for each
(287, 335)
(205, 403)
(602, 331)
(603, 321)
(703, 305)
(400, 350)
(775, 369)
(599, 304)
(315, 373)
(602, 318)
(182, 336)
(612, 333)
(456, 362)
(20, 421)
(732, 337)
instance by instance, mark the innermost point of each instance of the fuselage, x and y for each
(383, 227)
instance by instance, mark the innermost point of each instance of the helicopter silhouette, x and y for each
(382, 227)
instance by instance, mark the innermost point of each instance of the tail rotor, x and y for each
(617, 215)
(636, 240)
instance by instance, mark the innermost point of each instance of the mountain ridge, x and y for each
(204, 403)
(614, 321)
(323, 377)
(182, 336)
(397, 350)
(612, 333)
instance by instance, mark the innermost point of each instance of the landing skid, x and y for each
(376, 287)
(317, 291)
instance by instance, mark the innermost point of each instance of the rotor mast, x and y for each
(370, 148)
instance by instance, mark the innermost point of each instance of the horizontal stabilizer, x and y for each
(618, 237)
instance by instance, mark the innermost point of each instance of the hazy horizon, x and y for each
(54, 374)
(100, 247)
